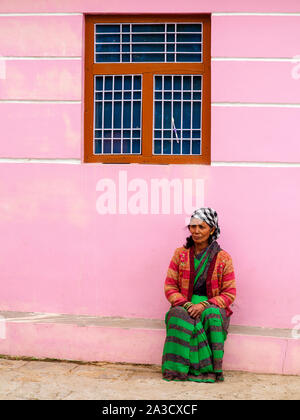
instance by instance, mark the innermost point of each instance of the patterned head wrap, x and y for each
(209, 216)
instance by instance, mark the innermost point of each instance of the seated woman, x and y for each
(200, 286)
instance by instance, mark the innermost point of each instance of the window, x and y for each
(147, 89)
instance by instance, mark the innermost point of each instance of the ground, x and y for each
(61, 380)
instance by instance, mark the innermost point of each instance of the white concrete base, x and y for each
(88, 338)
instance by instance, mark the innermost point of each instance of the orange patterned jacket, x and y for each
(220, 281)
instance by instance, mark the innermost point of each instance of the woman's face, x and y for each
(200, 232)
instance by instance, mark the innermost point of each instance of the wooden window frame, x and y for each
(147, 70)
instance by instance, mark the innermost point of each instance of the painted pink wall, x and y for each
(156, 6)
(42, 80)
(59, 255)
(82, 342)
(255, 134)
(42, 36)
(258, 36)
(246, 81)
(35, 130)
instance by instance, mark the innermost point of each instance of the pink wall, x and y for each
(62, 256)
(41, 36)
(156, 6)
(255, 134)
(36, 130)
(59, 255)
(258, 36)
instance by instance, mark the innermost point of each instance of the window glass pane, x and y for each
(186, 27)
(136, 114)
(158, 114)
(98, 146)
(176, 148)
(125, 58)
(186, 147)
(117, 119)
(148, 48)
(98, 115)
(137, 82)
(126, 146)
(140, 58)
(108, 83)
(136, 146)
(107, 58)
(107, 38)
(170, 58)
(189, 48)
(188, 37)
(138, 27)
(106, 48)
(157, 147)
(196, 147)
(148, 42)
(188, 58)
(167, 147)
(117, 114)
(107, 146)
(107, 114)
(107, 28)
(158, 82)
(118, 83)
(117, 146)
(177, 121)
(148, 38)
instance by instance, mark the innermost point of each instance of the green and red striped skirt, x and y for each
(194, 348)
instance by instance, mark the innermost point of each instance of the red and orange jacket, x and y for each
(220, 281)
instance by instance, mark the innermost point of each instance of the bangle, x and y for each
(187, 305)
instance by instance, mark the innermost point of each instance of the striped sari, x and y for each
(194, 348)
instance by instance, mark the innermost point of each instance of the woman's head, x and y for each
(203, 226)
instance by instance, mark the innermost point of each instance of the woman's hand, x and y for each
(196, 310)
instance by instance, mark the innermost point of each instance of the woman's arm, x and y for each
(227, 286)
(172, 290)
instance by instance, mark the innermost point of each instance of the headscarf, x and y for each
(209, 216)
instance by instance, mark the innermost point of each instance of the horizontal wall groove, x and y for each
(39, 101)
(255, 104)
(69, 161)
(255, 14)
(260, 59)
(42, 14)
(258, 164)
(215, 104)
(11, 58)
(75, 161)
(99, 12)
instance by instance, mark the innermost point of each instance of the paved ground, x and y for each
(55, 380)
